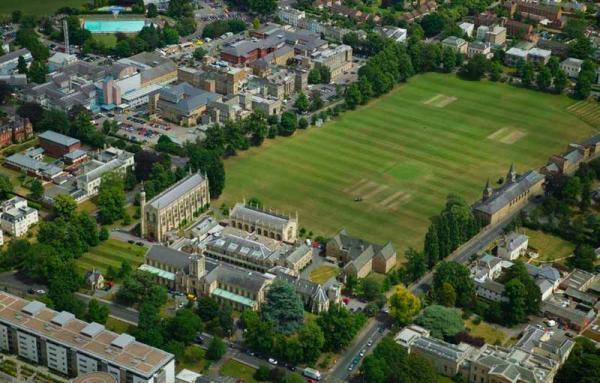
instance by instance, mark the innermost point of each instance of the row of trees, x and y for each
(220, 27)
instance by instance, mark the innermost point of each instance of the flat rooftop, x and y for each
(89, 338)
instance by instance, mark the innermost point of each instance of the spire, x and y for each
(512, 174)
(487, 190)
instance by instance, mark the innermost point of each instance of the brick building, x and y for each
(57, 145)
(15, 130)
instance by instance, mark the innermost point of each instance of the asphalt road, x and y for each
(340, 371)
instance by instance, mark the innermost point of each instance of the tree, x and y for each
(283, 307)
(515, 308)
(432, 24)
(316, 101)
(404, 305)
(339, 327)
(446, 296)
(208, 161)
(581, 49)
(301, 103)
(353, 96)
(207, 308)
(311, 341)
(96, 312)
(583, 258)
(6, 188)
(33, 112)
(519, 272)
(38, 71)
(442, 322)
(64, 206)
(302, 123)
(560, 81)
(149, 325)
(544, 79)
(199, 53)
(152, 11)
(184, 326)
(262, 7)
(416, 265)
(475, 68)
(22, 65)
(457, 276)
(448, 59)
(216, 349)
(314, 76)
(583, 364)
(288, 124)
(111, 199)
(527, 73)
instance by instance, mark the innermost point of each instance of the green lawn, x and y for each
(238, 370)
(402, 154)
(550, 248)
(37, 7)
(111, 253)
(119, 326)
(491, 333)
(323, 273)
(107, 39)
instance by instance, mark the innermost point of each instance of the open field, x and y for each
(111, 253)
(324, 273)
(238, 370)
(37, 7)
(550, 248)
(403, 154)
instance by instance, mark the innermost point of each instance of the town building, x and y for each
(175, 206)
(119, 80)
(515, 57)
(456, 43)
(515, 192)
(72, 85)
(521, 31)
(496, 36)
(538, 12)
(9, 61)
(467, 28)
(153, 68)
(56, 144)
(71, 347)
(513, 246)
(396, 34)
(538, 56)
(571, 66)
(337, 59)
(60, 60)
(486, 19)
(479, 48)
(266, 223)
(33, 167)
(88, 170)
(14, 129)
(17, 217)
(291, 16)
(195, 274)
(359, 256)
(182, 104)
(534, 358)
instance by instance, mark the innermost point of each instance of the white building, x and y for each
(538, 56)
(17, 217)
(482, 32)
(1, 238)
(110, 160)
(394, 33)
(291, 16)
(571, 66)
(515, 56)
(467, 28)
(513, 246)
(479, 47)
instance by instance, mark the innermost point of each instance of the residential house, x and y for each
(515, 57)
(571, 66)
(513, 246)
(9, 61)
(479, 47)
(467, 28)
(538, 56)
(456, 43)
(17, 217)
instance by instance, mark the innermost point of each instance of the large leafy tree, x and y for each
(404, 305)
(111, 199)
(283, 307)
(442, 322)
(583, 364)
(457, 276)
(339, 327)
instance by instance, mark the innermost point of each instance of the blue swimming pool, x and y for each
(112, 26)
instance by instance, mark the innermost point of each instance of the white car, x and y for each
(273, 361)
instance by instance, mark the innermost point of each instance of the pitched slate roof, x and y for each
(508, 192)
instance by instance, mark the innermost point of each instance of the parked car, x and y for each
(273, 361)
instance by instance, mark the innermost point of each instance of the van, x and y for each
(312, 373)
